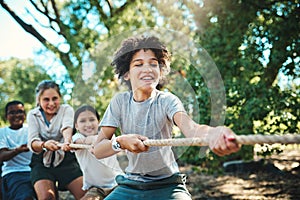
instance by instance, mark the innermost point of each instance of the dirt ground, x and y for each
(276, 177)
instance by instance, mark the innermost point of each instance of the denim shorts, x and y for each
(17, 186)
(172, 188)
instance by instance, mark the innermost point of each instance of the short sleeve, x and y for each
(33, 129)
(77, 136)
(174, 105)
(112, 114)
(2, 139)
(67, 117)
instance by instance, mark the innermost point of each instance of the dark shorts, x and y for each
(166, 189)
(67, 171)
(17, 186)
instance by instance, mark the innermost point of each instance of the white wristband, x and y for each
(115, 145)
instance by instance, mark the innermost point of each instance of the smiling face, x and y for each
(49, 101)
(144, 72)
(87, 123)
(16, 116)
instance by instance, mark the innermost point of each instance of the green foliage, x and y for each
(18, 81)
(267, 150)
(255, 101)
(252, 90)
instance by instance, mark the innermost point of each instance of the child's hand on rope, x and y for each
(222, 141)
(66, 146)
(51, 145)
(133, 143)
(22, 148)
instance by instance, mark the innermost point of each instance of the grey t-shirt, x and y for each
(152, 118)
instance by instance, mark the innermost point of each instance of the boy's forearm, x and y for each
(103, 149)
(7, 154)
(197, 130)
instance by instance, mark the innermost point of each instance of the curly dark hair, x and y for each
(123, 56)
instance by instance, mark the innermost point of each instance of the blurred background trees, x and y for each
(253, 44)
(18, 79)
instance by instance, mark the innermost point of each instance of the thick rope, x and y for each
(77, 146)
(268, 139)
(241, 139)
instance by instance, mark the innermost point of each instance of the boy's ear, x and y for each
(126, 76)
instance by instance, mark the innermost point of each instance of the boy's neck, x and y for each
(15, 127)
(140, 96)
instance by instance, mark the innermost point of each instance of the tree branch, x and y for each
(27, 27)
(122, 8)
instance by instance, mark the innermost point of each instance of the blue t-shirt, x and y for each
(11, 139)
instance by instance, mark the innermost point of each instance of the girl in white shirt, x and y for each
(53, 167)
(98, 174)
